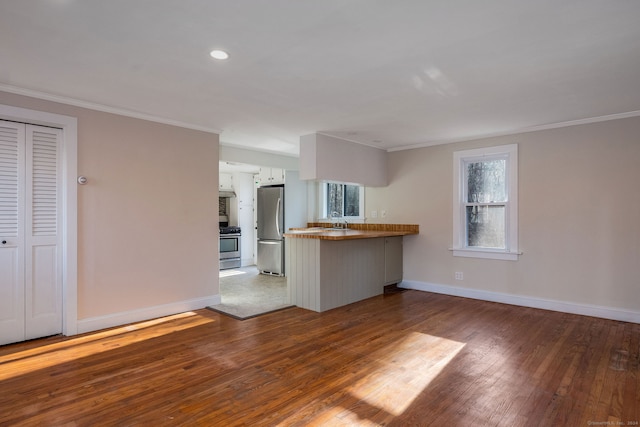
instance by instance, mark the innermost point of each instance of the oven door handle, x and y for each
(278, 216)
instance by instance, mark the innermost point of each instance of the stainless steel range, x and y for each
(230, 247)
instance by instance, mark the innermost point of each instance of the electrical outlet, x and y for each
(459, 275)
(374, 214)
(383, 214)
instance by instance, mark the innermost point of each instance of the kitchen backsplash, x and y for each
(414, 228)
(222, 206)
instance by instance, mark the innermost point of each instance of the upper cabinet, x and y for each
(226, 181)
(243, 187)
(270, 176)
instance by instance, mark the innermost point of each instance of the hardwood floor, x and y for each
(411, 358)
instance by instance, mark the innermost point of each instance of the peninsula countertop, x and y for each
(325, 231)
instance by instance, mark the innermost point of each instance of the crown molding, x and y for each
(104, 108)
(522, 130)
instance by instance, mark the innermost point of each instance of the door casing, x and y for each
(69, 153)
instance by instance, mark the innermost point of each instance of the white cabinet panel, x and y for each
(270, 176)
(243, 185)
(244, 214)
(246, 223)
(226, 181)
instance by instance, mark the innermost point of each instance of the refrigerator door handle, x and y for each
(278, 216)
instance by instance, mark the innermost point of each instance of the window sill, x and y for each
(487, 254)
(349, 219)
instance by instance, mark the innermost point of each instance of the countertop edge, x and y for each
(352, 234)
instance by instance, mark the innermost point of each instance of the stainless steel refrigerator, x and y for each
(270, 205)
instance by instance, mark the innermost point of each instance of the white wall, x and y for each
(579, 213)
(147, 219)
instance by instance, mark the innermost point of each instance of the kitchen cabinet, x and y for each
(392, 260)
(325, 274)
(242, 211)
(243, 187)
(270, 176)
(246, 223)
(226, 181)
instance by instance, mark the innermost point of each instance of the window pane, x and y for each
(486, 226)
(334, 200)
(486, 181)
(352, 200)
(342, 200)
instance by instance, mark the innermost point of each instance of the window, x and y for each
(342, 200)
(485, 211)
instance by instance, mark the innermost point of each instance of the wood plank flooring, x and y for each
(411, 358)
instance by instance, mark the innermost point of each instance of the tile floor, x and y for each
(245, 293)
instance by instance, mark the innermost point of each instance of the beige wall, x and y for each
(579, 215)
(324, 157)
(147, 219)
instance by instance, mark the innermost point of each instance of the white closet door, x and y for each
(43, 279)
(12, 194)
(30, 222)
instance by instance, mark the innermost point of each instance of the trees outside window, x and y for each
(343, 200)
(485, 204)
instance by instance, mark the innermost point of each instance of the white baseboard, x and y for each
(122, 318)
(613, 313)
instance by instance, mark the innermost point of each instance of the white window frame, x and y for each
(322, 202)
(460, 159)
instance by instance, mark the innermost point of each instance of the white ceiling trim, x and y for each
(523, 130)
(104, 108)
(136, 115)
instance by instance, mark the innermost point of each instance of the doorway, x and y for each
(245, 293)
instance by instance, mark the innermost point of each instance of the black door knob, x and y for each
(4, 242)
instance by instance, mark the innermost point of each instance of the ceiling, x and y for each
(387, 74)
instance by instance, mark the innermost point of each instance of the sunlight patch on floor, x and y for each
(338, 416)
(405, 371)
(25, 361)
(229, 273)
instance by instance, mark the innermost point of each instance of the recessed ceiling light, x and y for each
(219, 54)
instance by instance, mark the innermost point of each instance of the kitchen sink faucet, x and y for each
(335, 216)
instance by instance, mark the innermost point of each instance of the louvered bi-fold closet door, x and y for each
(30, 223)
(12, 193)
(43, 263)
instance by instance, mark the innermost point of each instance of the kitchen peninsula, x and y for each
(328, 268)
